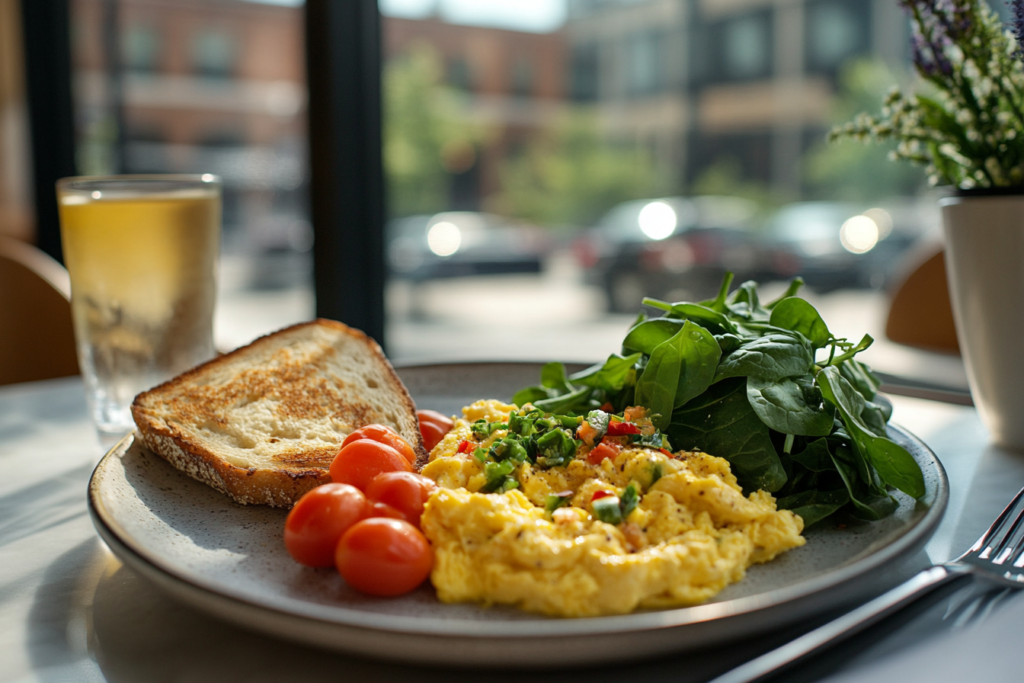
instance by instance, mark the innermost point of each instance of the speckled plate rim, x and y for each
(916, 534)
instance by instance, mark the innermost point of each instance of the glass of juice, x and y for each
(142, 255)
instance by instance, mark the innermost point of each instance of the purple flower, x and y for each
(1017, 7)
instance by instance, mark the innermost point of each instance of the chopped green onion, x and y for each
(630, 499)
(496, 473)
(607, 510)
(558, 500)
(555, 448)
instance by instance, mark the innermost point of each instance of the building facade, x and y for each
(707, 81)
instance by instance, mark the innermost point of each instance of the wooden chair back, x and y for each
(920, 313)
(37, 340)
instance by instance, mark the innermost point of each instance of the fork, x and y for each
(997, 556)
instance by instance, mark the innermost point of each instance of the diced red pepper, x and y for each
(622, 428)
(598, 495)
(601, 451)
(464, 446)
(608, 408)
(667, 452)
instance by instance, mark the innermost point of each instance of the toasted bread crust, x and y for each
(176, 418)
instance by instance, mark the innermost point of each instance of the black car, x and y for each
(463, 243)
(835, 245)
(670, 248)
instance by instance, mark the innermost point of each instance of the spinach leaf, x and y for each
(870, 502)
(815, 456)
(553, 383)
(892, 462)
(852, 350)
(530, 395)
(609, 376)
(861, 377)
(874, 417)
(708, 317)
(814, 506)
(646, 336)
(794, 286)
(771, 357)
(797, 315)
(745, 303)
(721, 422)
(578, 401)
(552, 376)
(679, 369)
(728, 342)
(719, 303)
(791, 406)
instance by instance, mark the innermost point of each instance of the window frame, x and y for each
(343, 64)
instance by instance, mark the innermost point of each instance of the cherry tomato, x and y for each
(403, 492)
(385, 510)
(384, 557)
(317, 522)
(360, 461)
(433, 427)
(385, 435)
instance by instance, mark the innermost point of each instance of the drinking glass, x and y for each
(142, 253)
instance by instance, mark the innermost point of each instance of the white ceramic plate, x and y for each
(229, 560)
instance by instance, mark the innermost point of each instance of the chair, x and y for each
(920, 313)
(37, 340)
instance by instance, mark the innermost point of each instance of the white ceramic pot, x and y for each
(985, 266)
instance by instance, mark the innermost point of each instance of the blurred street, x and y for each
(550, 316)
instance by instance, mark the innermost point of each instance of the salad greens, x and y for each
(766, 386)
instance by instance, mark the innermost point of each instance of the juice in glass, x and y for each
(141, 252)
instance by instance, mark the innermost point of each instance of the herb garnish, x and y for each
(768, 387)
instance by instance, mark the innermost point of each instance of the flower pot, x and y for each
(985, 267)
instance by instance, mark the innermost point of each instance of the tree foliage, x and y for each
(847, 170)
(573, 174)
(422, 126)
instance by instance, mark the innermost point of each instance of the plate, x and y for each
(228, 560)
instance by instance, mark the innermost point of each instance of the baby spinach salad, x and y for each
(766, 386)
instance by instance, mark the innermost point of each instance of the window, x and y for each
(584, 73)
(140, 49)
(215, 108)
(836, 31)
(214, 54)
(745, 47)
(521, 79)
(459, 74)
(645, 65)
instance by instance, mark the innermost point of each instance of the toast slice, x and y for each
(263, 423)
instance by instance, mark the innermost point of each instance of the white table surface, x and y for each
(69, 611)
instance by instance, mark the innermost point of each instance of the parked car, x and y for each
(835, 245)
(463, 243)
(670, 248)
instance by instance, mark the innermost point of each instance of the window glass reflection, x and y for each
(198, 87)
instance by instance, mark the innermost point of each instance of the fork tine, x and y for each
(994, 539)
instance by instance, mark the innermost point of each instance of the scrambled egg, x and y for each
(692, 533)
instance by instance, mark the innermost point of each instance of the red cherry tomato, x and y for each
(317, 522)
(402, 492)
(385, 510)
(433, 427)
(360, 461)
(385, 435)
(384, 557)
